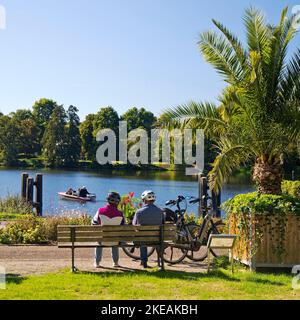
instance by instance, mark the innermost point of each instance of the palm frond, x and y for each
(282, 35)
(290, 86)
(229, 159)
(217, 51)
(258, 33)
(235, 43)
(195, 115)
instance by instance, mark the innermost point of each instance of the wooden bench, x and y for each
(123, 236)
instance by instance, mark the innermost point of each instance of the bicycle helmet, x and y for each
(148, 195)
(113, 198)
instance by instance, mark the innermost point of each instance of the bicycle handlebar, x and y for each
(194, 201)
(180, 199)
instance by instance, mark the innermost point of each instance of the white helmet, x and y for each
(148, 195)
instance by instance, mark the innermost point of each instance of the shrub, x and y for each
(50, 223)
(14, 204)
(30, 229)
(291, 188)
(263, 204)
(250, 215)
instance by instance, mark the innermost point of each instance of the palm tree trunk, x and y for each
(268, 176)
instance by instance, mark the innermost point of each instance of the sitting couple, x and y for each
(149, 214)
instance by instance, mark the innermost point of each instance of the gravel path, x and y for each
(28, 260)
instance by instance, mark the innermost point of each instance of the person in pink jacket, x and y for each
(109, 215)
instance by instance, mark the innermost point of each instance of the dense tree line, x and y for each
(57, 136)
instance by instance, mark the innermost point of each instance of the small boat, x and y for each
(63, 195)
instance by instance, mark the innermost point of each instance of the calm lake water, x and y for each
(167, 185)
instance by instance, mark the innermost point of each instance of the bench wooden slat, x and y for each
(116, 239)
(115, 228)
(65, 234)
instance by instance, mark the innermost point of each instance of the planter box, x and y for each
(271, 242)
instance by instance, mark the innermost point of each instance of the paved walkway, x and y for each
(27, 260)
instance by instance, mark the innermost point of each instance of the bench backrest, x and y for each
(89, 234)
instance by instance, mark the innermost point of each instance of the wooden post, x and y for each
(216, 203)
(29, 190)
(199, 194)
(39, 194)
(203, 188)
(24, 185)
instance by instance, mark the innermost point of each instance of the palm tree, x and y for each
(258, 116)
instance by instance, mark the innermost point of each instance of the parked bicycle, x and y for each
(192, 238)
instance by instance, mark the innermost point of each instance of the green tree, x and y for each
(106, 118)
(29, 137)
(9, 142)
(73, 140)
(54, 140)
(21, 114)
(258, 115)
(29, 142)
(42, 111)
(139, 118)
(88, 140)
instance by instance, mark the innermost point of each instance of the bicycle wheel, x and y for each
(135, 253)
(199, 251)
(217, 228)
(174, 255)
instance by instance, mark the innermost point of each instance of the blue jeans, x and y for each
(114, 254)
(144, 254)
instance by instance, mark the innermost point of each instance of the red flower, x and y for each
(131, 194)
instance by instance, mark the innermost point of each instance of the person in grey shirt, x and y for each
(149, 214)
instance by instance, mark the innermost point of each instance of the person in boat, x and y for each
(71, 192)
(83, 192)
(109, 215)
(149, 214)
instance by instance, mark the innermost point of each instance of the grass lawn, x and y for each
(219, 284)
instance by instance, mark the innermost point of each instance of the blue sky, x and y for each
(123, 53)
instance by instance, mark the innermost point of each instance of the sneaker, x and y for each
(116, 265)
(96, 264)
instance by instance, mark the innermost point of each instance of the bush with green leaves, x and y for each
(263, 204)
(291, 188)
(14, 204)
(30, 229)
(255, 213)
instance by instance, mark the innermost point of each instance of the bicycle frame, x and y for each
(207, 221)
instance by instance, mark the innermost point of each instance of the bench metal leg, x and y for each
(162, 263)
(73, 260)
(161, 248)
